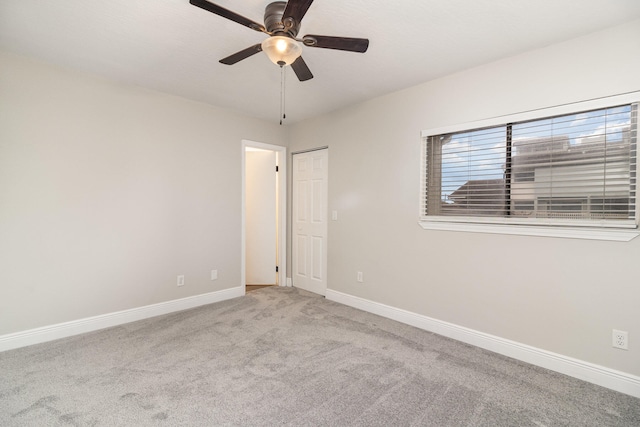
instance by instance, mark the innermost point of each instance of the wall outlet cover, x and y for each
(620, 339)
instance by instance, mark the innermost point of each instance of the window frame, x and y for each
(593, 230)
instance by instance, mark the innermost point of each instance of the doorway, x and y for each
(263, 215)
(309, 220)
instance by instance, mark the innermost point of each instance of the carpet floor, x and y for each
(282, 356)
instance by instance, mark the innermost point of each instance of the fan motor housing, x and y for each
(273, 20)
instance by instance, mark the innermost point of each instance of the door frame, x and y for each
(281, 214)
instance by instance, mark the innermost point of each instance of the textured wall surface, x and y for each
(560, 295)
(108, 192)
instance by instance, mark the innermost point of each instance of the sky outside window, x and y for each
(481, 154)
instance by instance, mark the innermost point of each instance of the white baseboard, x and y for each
(600, 375)
(89, 324)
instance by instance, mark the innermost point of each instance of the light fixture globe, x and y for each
(281, 50)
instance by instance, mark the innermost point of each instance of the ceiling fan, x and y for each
(282, 23)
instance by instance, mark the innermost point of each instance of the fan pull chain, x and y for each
(283, 114)
(284, 92)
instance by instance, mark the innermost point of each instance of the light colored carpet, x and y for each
(281, 356)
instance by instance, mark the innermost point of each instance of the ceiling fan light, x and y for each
(281, 50)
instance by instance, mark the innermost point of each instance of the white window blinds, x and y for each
(576, 168)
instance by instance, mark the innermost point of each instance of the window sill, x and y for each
(588, 233)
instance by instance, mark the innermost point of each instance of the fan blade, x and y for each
(340, 43)
(296, 9)
(225, 13)
(243, 54)
(302, 71)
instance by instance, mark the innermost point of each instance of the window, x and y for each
(575, 169)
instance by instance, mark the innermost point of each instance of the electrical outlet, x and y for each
(621, 339)
(181, 280)
(359, 277)
(214, 274)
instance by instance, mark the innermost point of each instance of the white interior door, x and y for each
(310, 172)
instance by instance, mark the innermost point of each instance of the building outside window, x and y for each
(577, 168)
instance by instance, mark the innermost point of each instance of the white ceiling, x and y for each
(174, 47)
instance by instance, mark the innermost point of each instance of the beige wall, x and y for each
(107, 192)
(560, 295)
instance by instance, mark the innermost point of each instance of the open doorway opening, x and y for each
(264, 215)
